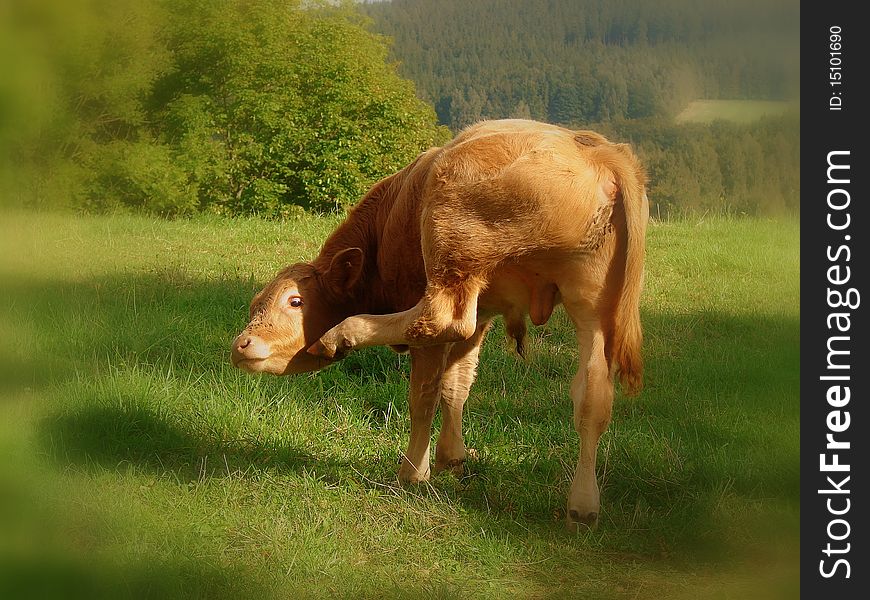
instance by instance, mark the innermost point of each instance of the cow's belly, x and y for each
(515, 293)
(536, 287)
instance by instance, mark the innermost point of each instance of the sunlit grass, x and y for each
(136, 462)
(737, 111)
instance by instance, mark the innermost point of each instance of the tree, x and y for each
(235, 106)
(89, 67)
(275, 106)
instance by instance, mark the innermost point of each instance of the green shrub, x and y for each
(235, 106)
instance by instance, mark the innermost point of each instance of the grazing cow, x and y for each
(510, 218)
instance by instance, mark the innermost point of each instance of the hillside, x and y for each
(578, 61)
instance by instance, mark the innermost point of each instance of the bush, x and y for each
(235, 106)
(140, 175)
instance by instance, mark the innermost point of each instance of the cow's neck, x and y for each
(362, 229)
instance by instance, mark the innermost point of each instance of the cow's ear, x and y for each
(345, 270)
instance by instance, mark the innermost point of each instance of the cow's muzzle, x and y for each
(249, 348)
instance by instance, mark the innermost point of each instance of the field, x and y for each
(136, 462)
(737, 111)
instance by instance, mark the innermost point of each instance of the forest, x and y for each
(574, 61)
(276, 107)
(626, 68)
(720, 168)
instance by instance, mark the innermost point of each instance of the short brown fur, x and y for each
(512, 217)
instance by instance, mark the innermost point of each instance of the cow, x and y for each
(510, 218)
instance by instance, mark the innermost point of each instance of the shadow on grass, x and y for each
(159, 318)
(717, 385)
(70, 577)
(163, 319)
(116, 437)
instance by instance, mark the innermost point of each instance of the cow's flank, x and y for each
(510, 218)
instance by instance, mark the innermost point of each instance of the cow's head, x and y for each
(293, 311)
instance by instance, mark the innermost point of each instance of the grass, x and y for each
(738, 111)
(136, 462)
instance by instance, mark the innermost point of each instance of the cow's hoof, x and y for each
(581, 522)
(409, 474)
(323, 348)
(320, 350)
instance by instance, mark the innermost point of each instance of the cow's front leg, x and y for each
(427, 368)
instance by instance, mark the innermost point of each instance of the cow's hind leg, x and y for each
(592, 395)
(427, 369)
(459, 375)
(444, 314)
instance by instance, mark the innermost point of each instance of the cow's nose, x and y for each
(249, 347)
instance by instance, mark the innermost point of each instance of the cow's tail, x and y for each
(624, 333)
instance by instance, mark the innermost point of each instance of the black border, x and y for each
(823, 131)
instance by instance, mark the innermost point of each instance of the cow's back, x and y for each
(510, 188)
(499, 191)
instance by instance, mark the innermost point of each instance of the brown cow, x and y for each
(510, 218)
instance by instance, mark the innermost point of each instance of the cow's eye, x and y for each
(295, 301)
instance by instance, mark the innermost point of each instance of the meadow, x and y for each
(736, 111)
(135, 461)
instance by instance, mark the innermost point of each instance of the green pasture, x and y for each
(736, 111)
(135, 462)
